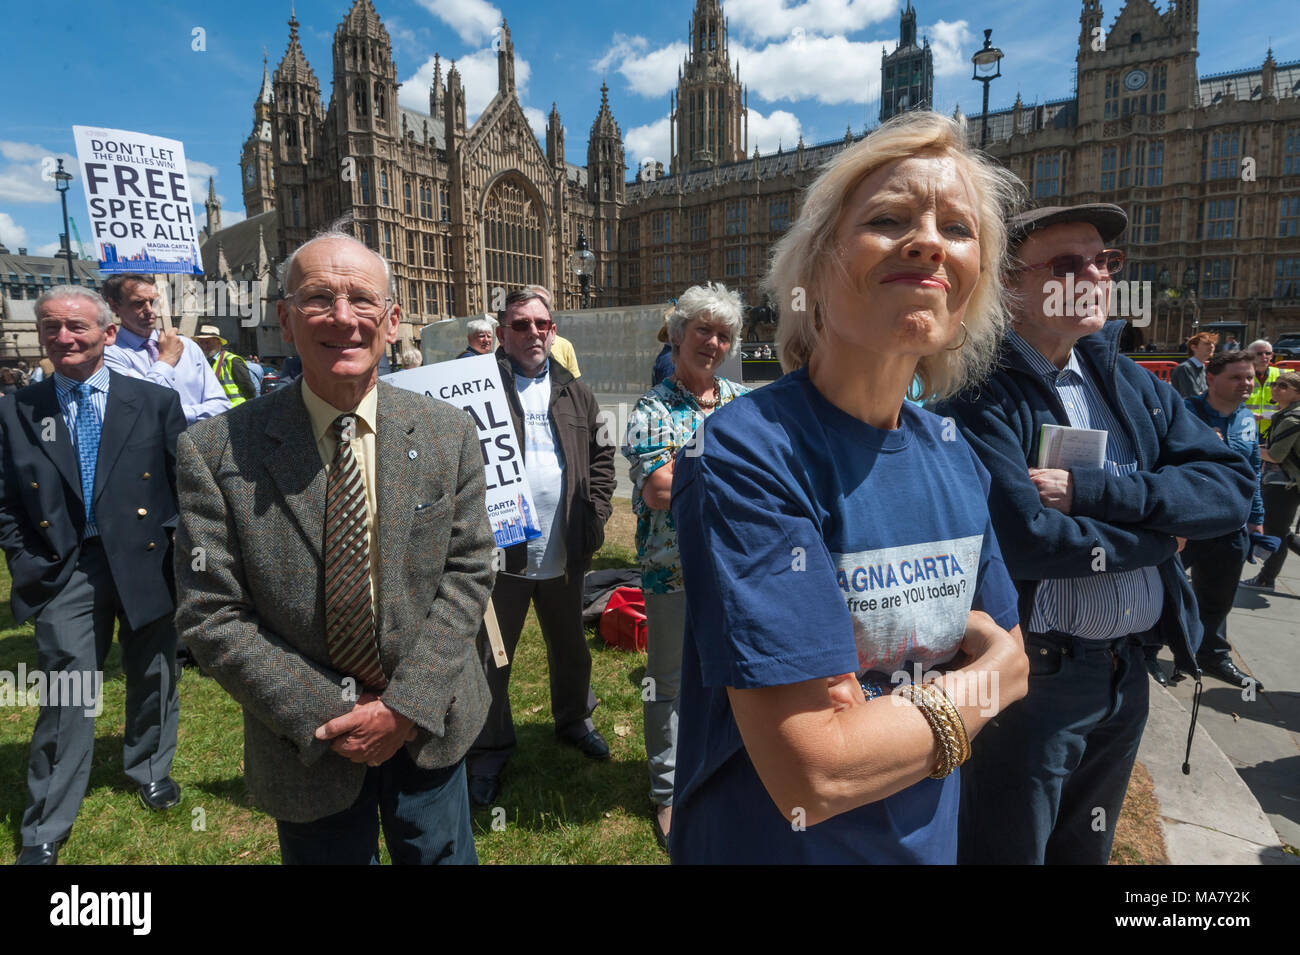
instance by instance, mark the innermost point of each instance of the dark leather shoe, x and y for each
(483, 790)
(1157, 674)
(593, 745)
(1227, 671)
(47, 853)
(160, 795)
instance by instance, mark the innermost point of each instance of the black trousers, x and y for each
(559, 612)
(1280, 506)
(1216, 569)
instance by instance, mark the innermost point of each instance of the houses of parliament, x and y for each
(460, 208)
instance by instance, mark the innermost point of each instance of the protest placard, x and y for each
(138, 198)
(474, 384)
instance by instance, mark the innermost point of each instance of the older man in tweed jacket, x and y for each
(334, 562)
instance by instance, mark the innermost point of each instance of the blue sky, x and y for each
(812, 66)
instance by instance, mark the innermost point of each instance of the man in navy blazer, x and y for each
(78, 567)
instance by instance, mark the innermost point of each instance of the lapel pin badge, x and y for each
(412, 454)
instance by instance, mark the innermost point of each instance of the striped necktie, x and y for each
(349, 617)
(88, 429)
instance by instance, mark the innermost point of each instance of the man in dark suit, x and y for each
(344, 564)
(87, 505)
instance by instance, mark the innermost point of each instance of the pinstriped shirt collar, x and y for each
(64, 386)
(1042, 366)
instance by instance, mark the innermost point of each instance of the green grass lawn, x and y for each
(557, 806)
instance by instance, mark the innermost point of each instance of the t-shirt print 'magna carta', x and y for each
(814, 545)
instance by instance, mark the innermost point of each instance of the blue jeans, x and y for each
(1046, 777)
(425, 813)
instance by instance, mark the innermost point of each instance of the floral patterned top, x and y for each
(662, 423)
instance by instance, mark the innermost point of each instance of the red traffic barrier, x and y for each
(1160, 369)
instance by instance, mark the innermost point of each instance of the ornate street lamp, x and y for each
(62, 181)
(988, 67)
(583, 263)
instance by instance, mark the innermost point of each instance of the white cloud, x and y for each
(28, 174)
(537, 120)
(949, 43)
(651, 74)
(772, 19)
(473, 20)
(778, 128)
(11, 233)
(228, 216)
(478, 75)
(47, 250)
(199, 172)
(21, 152)
(650, 141)
(830, 69)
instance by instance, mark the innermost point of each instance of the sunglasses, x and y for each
(1109, 261)
(523, 325)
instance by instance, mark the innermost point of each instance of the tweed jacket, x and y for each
(250, 580)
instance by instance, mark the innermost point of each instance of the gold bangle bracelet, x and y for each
(954, 718)
(940, 724)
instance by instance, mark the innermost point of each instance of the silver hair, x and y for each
(338, 229)
(485, 324)
(102, 312)
(713, 300)
(1259, 341)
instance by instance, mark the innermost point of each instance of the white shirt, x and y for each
(544, 464)
(192, 378)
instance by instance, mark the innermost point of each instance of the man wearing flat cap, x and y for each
(231, 370)
(1092, 550)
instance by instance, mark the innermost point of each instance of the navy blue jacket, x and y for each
(1241, 434)
(1188, 482)
(42, 515)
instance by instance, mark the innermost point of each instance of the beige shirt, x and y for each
(322, 415)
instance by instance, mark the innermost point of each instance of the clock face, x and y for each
(1135, 79)
(248, 175)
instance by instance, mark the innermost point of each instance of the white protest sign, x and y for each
(474, 384)
(138, 199)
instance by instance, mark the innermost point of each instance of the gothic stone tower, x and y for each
(256, 162)
(710, 115)
(606, 188)
(296, 118)
(907, 74)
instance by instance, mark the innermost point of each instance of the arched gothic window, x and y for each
(513, 241)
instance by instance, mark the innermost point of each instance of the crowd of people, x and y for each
(878, 632)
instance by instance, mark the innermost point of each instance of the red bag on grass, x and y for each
(622, 624)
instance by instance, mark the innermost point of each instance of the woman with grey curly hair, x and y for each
(703, 328)
(835, 540)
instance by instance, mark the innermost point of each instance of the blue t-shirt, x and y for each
(812, 545)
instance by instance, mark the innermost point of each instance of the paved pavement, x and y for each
(1242, 799)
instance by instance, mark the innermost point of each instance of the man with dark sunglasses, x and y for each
(571, 476)
(1092, 550)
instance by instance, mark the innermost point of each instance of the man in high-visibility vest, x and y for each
(231, 371)
(1260, 401)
